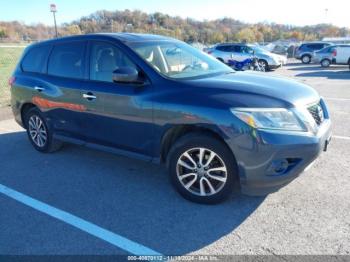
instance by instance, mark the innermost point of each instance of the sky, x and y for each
(293, 12)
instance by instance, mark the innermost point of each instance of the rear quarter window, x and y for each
(35, 60)
(67, 60)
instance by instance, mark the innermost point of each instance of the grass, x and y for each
(8, 60)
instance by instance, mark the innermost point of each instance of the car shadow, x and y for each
(128, 197)
(295, 66)
(340, 75)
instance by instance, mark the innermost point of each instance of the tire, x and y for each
(263, 65)
(224, 182)
(35, 123)
(306, 59)
(325, 63)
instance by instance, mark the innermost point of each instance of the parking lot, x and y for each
(128, 206)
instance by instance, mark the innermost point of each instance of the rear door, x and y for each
(120, 114)
(60, 94)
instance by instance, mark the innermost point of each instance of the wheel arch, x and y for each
(174, 133)
(24, 109)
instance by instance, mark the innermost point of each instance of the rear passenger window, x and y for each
(67, 60)
(34, 60)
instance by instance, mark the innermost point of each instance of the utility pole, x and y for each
(53, 10)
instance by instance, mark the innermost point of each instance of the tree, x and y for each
(246, 35)
(207, 32)
(2, 33)
(73, 30)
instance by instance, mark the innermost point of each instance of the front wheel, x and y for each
(263, 66)
(202, 169)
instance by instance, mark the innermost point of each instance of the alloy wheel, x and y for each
(201, 171)
(262, 66)
(306, 59)
(37, 131)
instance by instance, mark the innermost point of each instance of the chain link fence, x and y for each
(9, 55)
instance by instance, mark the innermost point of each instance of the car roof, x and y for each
(122, 37)
(319, 42)
(228, 44)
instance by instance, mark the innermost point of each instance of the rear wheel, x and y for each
(39, 133)
(306, 59)
(202, 168)
(325, 63)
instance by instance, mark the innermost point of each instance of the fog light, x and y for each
(278, 166)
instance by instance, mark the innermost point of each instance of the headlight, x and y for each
(270, 118)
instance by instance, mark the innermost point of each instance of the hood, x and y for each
(262, 84)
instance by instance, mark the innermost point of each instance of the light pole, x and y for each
(53, 9)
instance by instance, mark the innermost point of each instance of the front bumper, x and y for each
(274, 64)
(260, 154)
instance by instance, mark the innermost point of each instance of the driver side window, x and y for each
(104, 59)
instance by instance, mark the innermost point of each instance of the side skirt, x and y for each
(116, 151)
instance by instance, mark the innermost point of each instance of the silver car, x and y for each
(306, 51)
(324, 56)
(332, 55)
(240, 52)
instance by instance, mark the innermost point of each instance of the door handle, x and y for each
(39, 88)
(89, 96)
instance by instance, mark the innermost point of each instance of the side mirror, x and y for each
(126, 75)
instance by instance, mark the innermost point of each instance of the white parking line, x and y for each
(341, 137)
(106, 235)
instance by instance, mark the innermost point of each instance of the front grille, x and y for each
(317, 113)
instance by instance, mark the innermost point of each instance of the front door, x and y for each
(120, 115)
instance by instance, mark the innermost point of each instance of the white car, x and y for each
(240, 52)
(342, 55)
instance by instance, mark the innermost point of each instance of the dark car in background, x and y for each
(158, 99)
(306, 50)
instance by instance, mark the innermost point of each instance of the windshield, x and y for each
(178, 60)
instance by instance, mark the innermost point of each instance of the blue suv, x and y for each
(158, 99)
